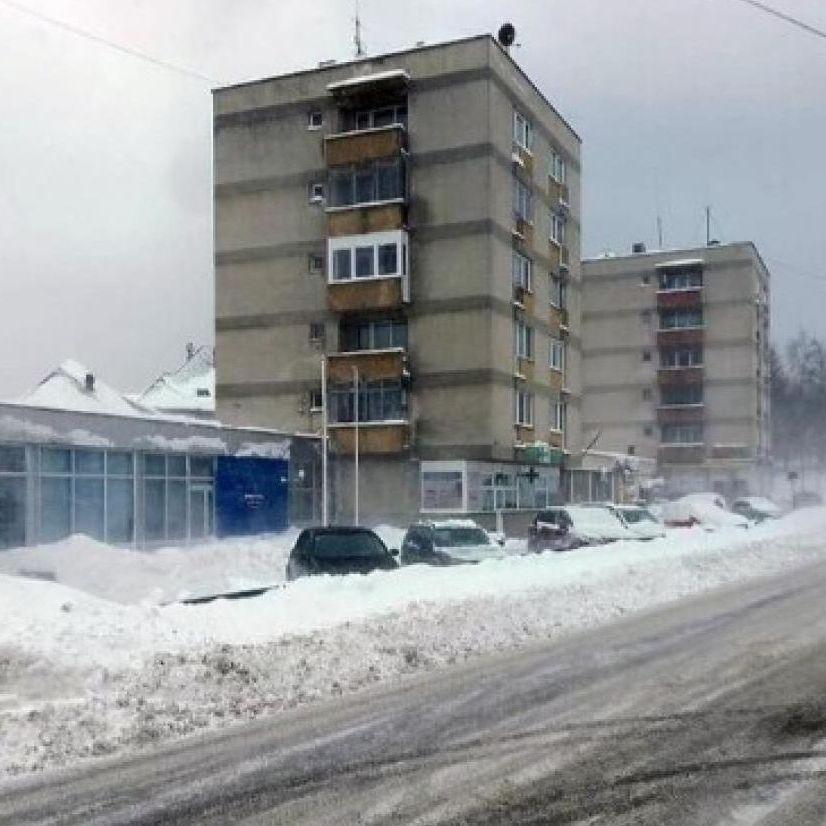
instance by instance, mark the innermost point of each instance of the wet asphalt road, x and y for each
(711, 711)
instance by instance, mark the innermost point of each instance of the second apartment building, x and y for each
(414, 217)
(676, 364)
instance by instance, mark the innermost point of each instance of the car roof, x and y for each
(339, 529)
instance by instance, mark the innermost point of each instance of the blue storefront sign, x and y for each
(251, 495)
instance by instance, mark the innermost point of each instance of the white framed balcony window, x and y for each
(557, 169)
(369, 256)
(558, 225)
(522, 268)
(522, 201)
(556, 358)
(524, 408)
(522, 131)
(523, 340)
(559, 416)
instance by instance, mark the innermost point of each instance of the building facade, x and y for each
(676, 364)
(413, 218)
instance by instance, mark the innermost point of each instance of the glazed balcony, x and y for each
(370, 364)
(690, 298)
(374, 438)
(685, 454)
(680, 336)
(732, 452)
(365, 145)
(359, 295)
(359, 220)
(680, 414)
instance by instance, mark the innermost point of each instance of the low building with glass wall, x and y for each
(148, 480)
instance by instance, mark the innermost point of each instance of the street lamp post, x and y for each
(325, 517)
(356, 445)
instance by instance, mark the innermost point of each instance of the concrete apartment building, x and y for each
(415, 217)
(676, 363)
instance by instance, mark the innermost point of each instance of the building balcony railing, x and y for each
(538, 453)
(556, 438)
(559, 192)
(522, 158)
(523, 230)
(523, 299)
(559, 256)
(370, 364)
(363, 294)
(741, 452)
(677, 336)
(564, 258)
(374, 438)
(680, 454)
(689, 298)
(677, 376)
(365, 145)
(359, 219)
(680, 414)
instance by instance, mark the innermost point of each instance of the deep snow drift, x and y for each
(91, 663)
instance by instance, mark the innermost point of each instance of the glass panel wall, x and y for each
(12, 496)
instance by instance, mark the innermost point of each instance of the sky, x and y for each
(106, 165)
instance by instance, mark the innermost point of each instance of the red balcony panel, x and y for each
(679, 376)
(680, 299)
(681, 454)
(680, 336)
(687, 414)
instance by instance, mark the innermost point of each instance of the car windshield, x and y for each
(350, 545)
(636, 515)
(459, 537)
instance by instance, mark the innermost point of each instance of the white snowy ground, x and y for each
(91, 662)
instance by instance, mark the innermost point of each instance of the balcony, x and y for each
(523, 230)
(525, 369)
(677, 376)
(559, 192)
(556, 380)
(365, 145)
(556, 438)
(741, 452)
(679, 336)
(560, 257)
(523, 299)
(375, 438)
(364, 294)
(538, 453)
(690, 298)
(522, 158)
(685, 454)
(360, 219)
(371, 365)
(680, 414)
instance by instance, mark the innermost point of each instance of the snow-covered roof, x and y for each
(65, 389)
(364, 80)
(189, 388)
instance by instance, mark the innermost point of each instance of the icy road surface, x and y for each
(708, 711)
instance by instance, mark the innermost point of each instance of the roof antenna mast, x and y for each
(357, 36)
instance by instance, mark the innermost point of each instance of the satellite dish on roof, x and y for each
(507, 34)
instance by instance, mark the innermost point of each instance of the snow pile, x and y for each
(162, 575)
(81, 676)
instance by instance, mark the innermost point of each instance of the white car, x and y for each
(640, 521)
(704, 509)
(597, 523)
(756, 508)
(448, 542)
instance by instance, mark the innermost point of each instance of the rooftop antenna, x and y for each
(506, 36)
(659, 232)
(708, 225)
(357, 36)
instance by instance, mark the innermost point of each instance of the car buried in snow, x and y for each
(573, 526)
(448, 542)
(639, 520)
(338, 551)
(756, 508)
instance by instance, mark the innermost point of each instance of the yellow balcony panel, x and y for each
(366, 145)
(525, 368)
(374, 438)
(364, 218)
(365, 294)
(371, 365)
(556, 438)
(556, 380)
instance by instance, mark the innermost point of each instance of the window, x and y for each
(648, 430)
(557, 168)
(557, 354)
(682, 394)
(442, 490)
(379, 334)
(317, 331)
(557, 229)
(681, 279)
(682, 357)
(522, 131)
(646, 355)
(632, 449)
(645, 315)
(389, 115)
(522, 268)
(559, 416)
(675, 434)
(316, 192)
(522, 201)
(373, 182)
(523, 340)
(524, 408)
(675, 319)
(646, 394)
(315, 264)
(559, 292)
(381, 400)
(315, 119)
(12, 496)
(646, 278)
(378, 254)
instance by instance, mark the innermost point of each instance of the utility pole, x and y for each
(325, 516)
(659, 232)
(708, 225)
(356, 446)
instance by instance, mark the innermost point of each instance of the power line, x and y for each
(786, 17)
(132, 52)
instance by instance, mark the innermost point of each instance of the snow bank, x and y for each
(122, 676)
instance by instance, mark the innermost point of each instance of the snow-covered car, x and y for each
(756, 508)
(703, 509)
(567, 527)
(338, 551)
(640, 521)
(448, 542)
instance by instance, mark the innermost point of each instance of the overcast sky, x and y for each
(105, 159)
